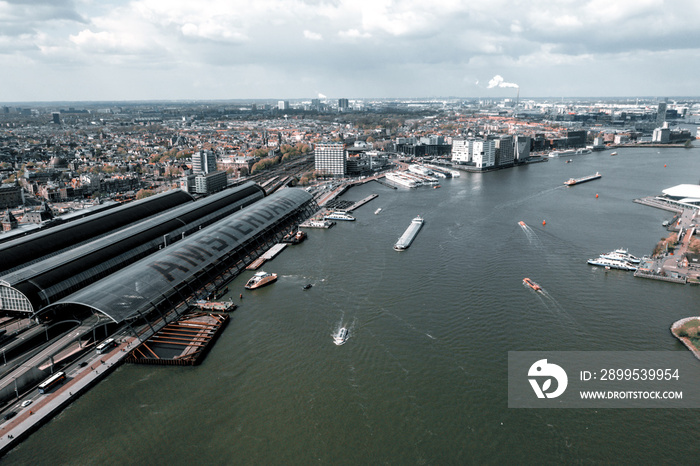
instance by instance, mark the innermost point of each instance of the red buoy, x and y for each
(596, 195)
(543, 222)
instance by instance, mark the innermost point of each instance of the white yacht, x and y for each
(341, 337)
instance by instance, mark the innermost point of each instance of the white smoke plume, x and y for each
(321, 96)
(497, 81)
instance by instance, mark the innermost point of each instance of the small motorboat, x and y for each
(341, 337)
(531, 284)
(260, 279)
(522, 224)
(307, 286)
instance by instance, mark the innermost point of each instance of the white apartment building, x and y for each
(460, 151)
(484, 153)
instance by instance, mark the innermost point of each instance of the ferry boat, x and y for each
(339, 216)
(621, 255)
(341, 337)
(612, 264)
(531, 284)
(260, 279)
(574, 181)
(408, 236)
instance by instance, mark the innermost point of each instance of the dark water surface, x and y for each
(422, 378)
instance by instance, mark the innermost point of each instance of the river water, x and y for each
(422, 378)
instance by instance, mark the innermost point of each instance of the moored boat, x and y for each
(621, 255)
(339, 216)
(612, 264)
(260, 279)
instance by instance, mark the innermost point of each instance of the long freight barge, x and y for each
(409, 235)
(573, 181)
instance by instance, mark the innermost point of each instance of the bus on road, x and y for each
(106, 345)
(54, 381)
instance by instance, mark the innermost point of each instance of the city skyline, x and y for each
(218, 50)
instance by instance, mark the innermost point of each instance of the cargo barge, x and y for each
(574, 181)
(409, 235)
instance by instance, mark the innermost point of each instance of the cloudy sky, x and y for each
(238, 49)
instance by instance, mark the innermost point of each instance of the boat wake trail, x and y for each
(525, 200)
(555, 308)
(532, 237)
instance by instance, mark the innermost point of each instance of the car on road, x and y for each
(26, 403)
(10, 415)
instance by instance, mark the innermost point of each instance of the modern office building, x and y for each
(661, 114)
(210, 183)
(283, 105)
(203, 161)
(505, 151)
(661, 135)
(522, 147)
(330, 159)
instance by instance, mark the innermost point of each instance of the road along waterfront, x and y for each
(423, 376)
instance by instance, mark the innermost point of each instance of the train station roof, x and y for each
(57, 276)
(133, 290)
(30, 248)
